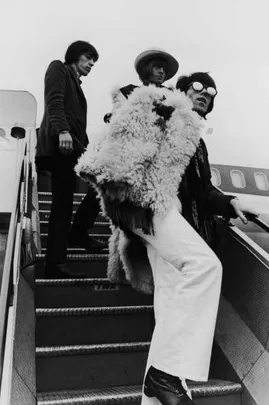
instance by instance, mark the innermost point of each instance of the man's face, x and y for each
(158, 72)
(200, 99)
(85, 64)
(157, 76)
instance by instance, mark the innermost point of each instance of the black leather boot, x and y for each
(166, 388)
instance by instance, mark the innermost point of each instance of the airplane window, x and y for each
(238, 179)
(4, 141)
(261, 181)
(216, 179)
(2, 133)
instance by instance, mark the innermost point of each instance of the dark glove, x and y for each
(163, 110)
(107, 118)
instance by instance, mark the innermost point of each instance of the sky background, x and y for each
(228, 38)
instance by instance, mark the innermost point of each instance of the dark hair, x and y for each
(78, 48)
(146, 69)
(184, 82)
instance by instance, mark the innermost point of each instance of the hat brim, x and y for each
(146, 56)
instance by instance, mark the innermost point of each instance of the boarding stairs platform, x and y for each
(92, 337)
(85, 341)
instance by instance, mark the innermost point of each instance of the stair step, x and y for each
(45, 206)
(44, 201)
(46, 196)
(103, 237)
(93, 265)
(80, 326)
(45, 214)
(102, 226)
(90, 292)
(105, 396)
(214, 387)
(90, 366)
(215, 391)
(75, 251)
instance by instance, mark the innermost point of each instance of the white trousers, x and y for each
(187, 276)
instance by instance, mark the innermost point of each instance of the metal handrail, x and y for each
(18, 210)
(258, 221)
(253, 218)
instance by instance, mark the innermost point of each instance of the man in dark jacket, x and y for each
(61, 140)
(200, 200)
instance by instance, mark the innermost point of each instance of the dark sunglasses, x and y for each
(197, 86)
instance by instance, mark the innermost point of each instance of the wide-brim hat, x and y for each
(153, 53)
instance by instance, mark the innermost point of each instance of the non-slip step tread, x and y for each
(54, 312)
(129, 394)
(214, 388)
(123, 394)
(103, 223)
(76, 281)
(94, 235)
(48, 202)
(75, 251)
(48, 193)
(79, 257)
(70, 350)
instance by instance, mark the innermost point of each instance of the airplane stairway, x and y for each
(92, 337)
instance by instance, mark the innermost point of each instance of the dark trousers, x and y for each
(63, 182)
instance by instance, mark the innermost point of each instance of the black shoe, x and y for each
(166, 388)
(60, 271)
(86, 242)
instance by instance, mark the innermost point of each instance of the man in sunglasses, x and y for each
(200, 200)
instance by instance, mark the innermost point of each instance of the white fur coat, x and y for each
(149, 155)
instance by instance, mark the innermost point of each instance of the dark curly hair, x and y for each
(78, 48)
(184, 82)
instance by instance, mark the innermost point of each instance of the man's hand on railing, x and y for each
(242, 211)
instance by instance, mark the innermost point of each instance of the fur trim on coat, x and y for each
(141, 160)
